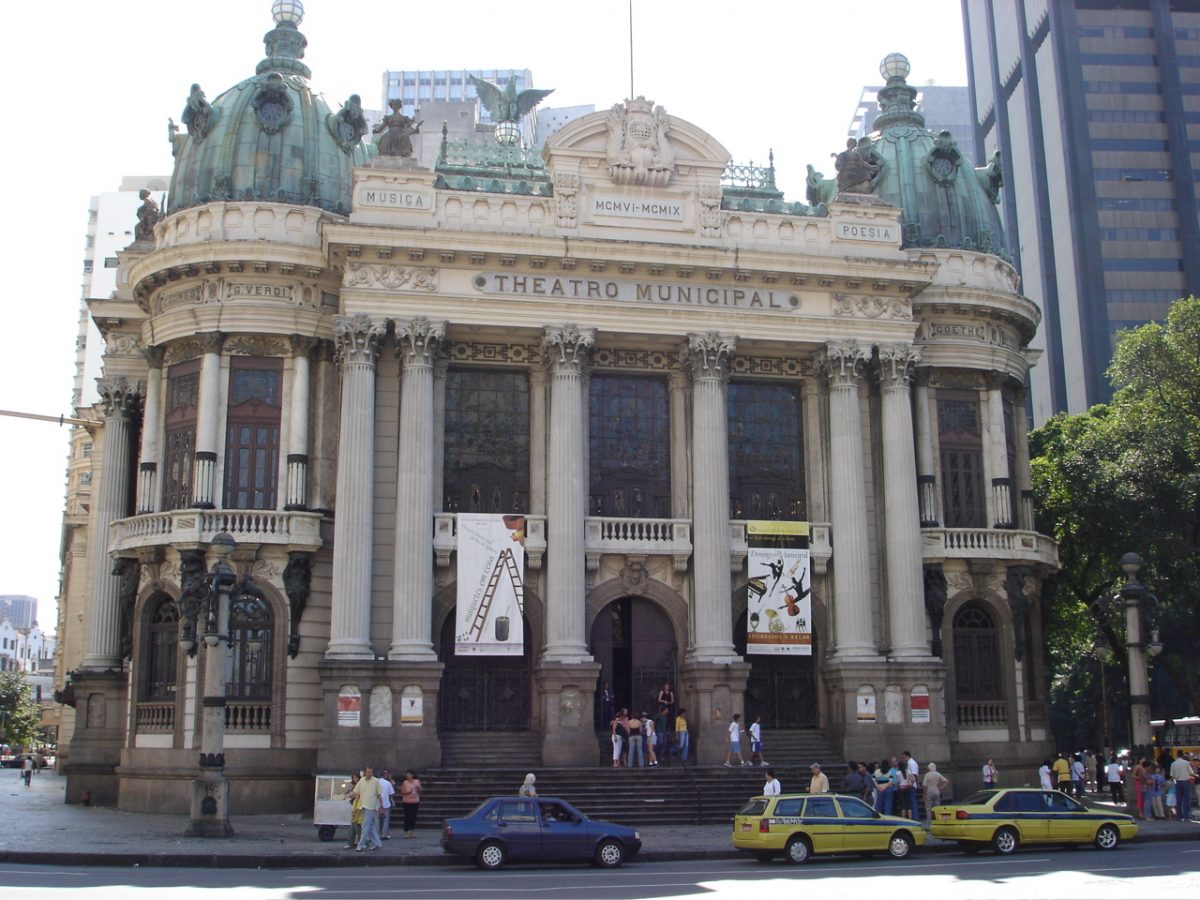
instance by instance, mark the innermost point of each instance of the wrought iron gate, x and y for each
(486, 696)
(783, 691)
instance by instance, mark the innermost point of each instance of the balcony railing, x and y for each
(445, 539)
(1003, 543)
(246, 717)
(982, 714)
(820, 547)
(155, 718)
(641, 537)
(298, 530)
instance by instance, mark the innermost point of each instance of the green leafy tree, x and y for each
(18, 711)
(1125, 476)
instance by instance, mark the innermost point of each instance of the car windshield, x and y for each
(753, 808)
(978, 798)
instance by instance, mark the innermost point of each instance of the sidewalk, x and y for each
(43, 829)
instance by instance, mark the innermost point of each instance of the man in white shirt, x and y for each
(386, 789)
(912, 772)
(771, 786)
(756, 745)
(735, 742)
(367, 790)
(1181, 771)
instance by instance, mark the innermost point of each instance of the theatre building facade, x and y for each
(493, 436)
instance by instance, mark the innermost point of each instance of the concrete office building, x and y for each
(1095, 106)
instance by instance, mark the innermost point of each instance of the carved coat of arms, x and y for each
(638, 149)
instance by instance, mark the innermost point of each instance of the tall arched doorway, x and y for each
(782, 688)
(483, 693)
(634, 643)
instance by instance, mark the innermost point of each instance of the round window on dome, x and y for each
(273, 109)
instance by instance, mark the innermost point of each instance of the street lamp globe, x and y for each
(223, 545)
(1131, 564)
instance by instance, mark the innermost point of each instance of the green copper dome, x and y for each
(946, 201)
(269, 137)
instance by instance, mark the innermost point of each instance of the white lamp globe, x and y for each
(287, 12)
(894, 65)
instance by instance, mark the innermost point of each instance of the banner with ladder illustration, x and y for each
(489, 619)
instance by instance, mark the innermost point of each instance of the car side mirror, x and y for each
(876, 814)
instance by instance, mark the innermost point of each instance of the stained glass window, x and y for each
(248, 663)
(960, 440)
(629, 447)
(766, 451)
(486, 442)
(179, 446)
(252, 433)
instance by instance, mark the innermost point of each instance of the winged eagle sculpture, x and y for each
(507, 105)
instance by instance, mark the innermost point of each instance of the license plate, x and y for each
(943, 816)
(745, 826)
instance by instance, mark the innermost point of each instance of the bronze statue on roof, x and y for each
(507, 105)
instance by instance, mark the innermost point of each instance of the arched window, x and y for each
(162, 649)
(977, 673)
(251, 635)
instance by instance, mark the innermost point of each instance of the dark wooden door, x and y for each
(634, 643)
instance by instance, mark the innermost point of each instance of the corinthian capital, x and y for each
(356, 338)
(897, 363)
(709, 354)
(844, 361)
(417, 340)
(120, 396)
(566, 348)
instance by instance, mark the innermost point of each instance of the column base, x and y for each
(566, 697)
(412, 653)
(395, 723)
(210, 806)
(349, 650)
(101, 699)
(712, 691)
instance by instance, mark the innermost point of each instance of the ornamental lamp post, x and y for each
(210, 790)
(1134, 594)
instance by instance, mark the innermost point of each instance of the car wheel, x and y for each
(1108, 838)
(326, 832)
(901, 845)
(491, 855)
(764, 856)
(797, 850)
(610, 854)
(969, 847)
(1005, 841)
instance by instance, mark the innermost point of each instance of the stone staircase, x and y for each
(488, 749)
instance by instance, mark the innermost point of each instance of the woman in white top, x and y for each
(989, 774)
(528, 789)
(771, 785)
(648, 737)
(1044, 775)
(1116, 783)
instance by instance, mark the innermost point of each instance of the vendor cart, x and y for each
(330, 806)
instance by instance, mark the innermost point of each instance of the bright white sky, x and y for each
(87, 89)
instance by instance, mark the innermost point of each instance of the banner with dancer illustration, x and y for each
(489, 618)
(778, 589)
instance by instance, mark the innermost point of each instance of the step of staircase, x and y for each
(486, 749)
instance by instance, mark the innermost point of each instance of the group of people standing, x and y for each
(1163, 788)
(895, 786)
(642, 739)
(372, 799)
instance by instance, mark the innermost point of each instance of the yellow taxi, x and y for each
(1005, 818)
(799, 825)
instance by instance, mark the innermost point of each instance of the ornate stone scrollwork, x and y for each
(297, 580)
(257, 345)
(356, 339)
(391, 278)
(1018, 604)
(128, 574)
(120, 396)
(844, 361)
(709, 354)
(566, 199)
(897, 364)
(567, 347)
(872, 307)
(711, 218)
(639, 151)
(418, 339)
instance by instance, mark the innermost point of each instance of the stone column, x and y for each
(121, 399)
(902, 544)
(412, 587)
(709, 355)
(437, 491)
(930, 501)
(1024, 485)
(537, 440)
(996, 455)
(566, 350)
(208, 424)
(147, 490)
(357, 343)
(296, 487)
(677, 382)
(844, 361)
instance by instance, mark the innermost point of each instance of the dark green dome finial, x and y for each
(897, 99)
(285, 44)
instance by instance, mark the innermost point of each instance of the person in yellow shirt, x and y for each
(681, 734)
(1062, 773)
(820, 781)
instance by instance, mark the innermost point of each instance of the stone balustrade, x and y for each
(196, 527)
(640, 537)
(1003, 544)
(445, 539)
(982, 713)
(248, 717)
(155, 717)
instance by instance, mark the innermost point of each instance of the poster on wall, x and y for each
(489, 618)
(778, 588)
(919, 704)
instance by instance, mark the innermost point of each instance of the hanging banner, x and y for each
(778, 600)
(489, 618)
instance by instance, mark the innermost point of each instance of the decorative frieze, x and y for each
(123, 345)
(711, 217)
(475, 352)
(391, 278)
(566, 198)
(870, 306)
(787, 367)
(652, 360)
(257, 345)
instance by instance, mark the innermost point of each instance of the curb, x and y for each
(343, 860)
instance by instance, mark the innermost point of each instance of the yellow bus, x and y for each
(1182, 734)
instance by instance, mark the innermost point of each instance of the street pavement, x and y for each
(40, 828)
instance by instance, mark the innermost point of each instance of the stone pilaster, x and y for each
(677, 384)
(709, 356)
(538, 430)
(437, 494)
(928, 497)
(566, 694)
(1024, 485)
(208, 424)
(357, 342)
(412, 591)
(902, 548)
(996, 455)
(122, 401)
(711, 693)
(566, 350)
(101, 707)
(296, 486)
(844, 362)
(148, 459)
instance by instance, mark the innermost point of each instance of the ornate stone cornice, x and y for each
(844, 362)
(356, 339)
(120, 396)
(897, 364)
(417, 340)
(566, 347)
(709, 354)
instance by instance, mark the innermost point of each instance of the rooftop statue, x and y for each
(348, 124)
(198, 114)
(148, 215)
(817, 188)
(854, 172)
(991, 178)
(506, 105)
(638, 150)
(396, 140)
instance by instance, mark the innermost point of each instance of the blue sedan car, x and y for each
(536, 829)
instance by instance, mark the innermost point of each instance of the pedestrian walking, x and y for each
(1116, 783)
(912, 777)
(356, 812)
(649, 735)
(885, 795)
(1045, 776)
(756, 742)
(735, 742)
(27, 769)
(681, 734)
(368, 792)
(1077, 775)
(1158, 792)
(410, 802)
(387, 790)
(1181, 772)
(620, 733)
